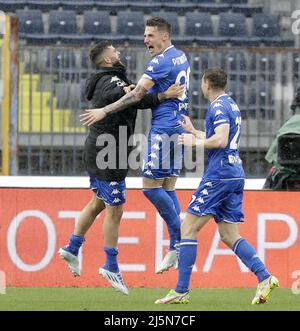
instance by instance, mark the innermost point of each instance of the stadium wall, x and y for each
(35, 222)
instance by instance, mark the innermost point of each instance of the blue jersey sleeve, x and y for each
(219, 115)
(159, 67)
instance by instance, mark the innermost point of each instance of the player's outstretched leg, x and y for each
(70, 253)
(264, 289)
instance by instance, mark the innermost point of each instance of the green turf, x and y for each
(108, 299)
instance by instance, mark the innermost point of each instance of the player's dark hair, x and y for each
(97, 51)
(217, 78)
(161, 24)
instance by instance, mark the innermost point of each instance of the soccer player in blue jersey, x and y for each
(220, 192)
(163, 158)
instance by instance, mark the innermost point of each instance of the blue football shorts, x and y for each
(222, 199)
(112, 193)
(163, 156)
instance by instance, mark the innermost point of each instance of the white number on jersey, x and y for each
(235, 142)
(186, 75)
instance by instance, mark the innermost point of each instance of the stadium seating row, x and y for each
(198, 28)
(180, 6)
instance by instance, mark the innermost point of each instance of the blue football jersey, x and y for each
(166, 69)
(224, 163)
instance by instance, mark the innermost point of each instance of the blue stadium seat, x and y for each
(30, 21)
(266, 27)
(31, 25)
(199, 29)
(43, 5)
(77, 5)
(233, 27)
(12, 5)
(130, 27)
(62, 26)
(96, 26)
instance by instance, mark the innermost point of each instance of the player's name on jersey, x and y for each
(179, 60)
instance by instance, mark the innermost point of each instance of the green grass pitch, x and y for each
(140, 299)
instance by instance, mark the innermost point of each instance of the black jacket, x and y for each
(103, 88)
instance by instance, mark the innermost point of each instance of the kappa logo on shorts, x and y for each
(150, 164)
(113, 183)
(196, 208)
(153, 155)
(116, 200)
(209, 184)
(148, 172)
(204, 192)
(115, 191)
(156, 147)
(158, 137)
(201, 200)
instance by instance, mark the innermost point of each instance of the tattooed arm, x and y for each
(94, 115)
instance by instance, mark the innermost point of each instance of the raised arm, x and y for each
(136, 95)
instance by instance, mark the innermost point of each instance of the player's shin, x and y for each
(165, 206)
(187, 258)
(249, 257)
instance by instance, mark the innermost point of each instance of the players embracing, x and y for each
(163, 157)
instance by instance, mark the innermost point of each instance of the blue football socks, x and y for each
(74, 244)
(111, 263)
(187, 258)
(173, 196)
(249, 257)
(166, 208)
